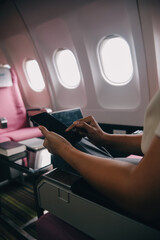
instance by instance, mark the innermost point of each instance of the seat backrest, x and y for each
(11, 104)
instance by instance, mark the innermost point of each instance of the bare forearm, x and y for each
(127, 143)
(114, 179)
(110, 177)
(133, 187)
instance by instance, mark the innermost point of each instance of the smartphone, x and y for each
(54, 125)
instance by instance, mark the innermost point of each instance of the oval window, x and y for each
(115, 60)
(34, 75)
(67, 68)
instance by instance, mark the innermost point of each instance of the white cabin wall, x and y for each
(79, 26)
(3, 59)
(150, 23)
(117, 104)
(80, 29)
(18, 47)
(52, 29)
(59, 38)
(156, 33)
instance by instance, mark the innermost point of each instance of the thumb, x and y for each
(43, 130)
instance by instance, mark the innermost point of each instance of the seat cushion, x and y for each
(22, 134)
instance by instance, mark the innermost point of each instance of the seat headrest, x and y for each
(5, 77)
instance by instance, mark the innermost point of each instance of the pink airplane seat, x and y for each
(14, 122)
(4, 139)
(13, 110)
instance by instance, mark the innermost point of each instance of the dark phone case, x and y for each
(52, 124)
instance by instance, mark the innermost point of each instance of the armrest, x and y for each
(3, 122)
(70, 198)
(77, 185)
(61, 177)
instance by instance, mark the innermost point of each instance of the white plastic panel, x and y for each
(60, 37)
(115, 60)
(93, 219)
(67, 68)
(80, 27)
(155, 16)
(126, 24)
(17, 46)
(3, 59)
(34, 75)
(150, 23)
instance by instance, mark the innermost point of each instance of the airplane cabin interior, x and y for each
(71, 59)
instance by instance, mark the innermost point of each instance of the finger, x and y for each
(69, 128)
(72, 126)
(85, 127)
(79, 123)
(43, 130)
(86, 119)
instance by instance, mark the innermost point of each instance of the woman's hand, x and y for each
(90, 128)
(54, 142)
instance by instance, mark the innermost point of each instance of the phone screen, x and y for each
(54, 125)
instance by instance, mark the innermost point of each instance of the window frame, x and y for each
(29, 80)
(61, 81)
(101, 65)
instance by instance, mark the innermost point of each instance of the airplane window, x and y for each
(115, 60)
(67, 68)
(34, 75)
